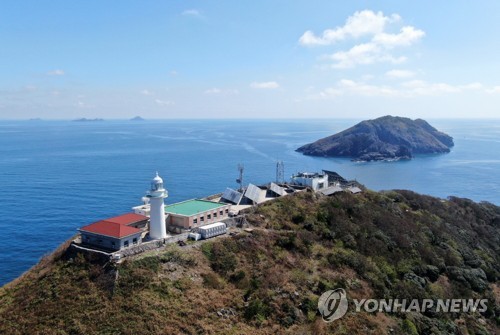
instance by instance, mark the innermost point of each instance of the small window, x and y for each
(125, 244)
(195, 221)
(202, 219)
(134, 241)
(227, 210)
(221, 213)
(209, 216)
(113, 244)
(215, 214)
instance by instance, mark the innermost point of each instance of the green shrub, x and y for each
(409, 327)
(256, 309)
(212, 280)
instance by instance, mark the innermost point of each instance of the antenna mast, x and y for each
(280, 172)
(240, 179)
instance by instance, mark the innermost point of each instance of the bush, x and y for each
(256, 309)
(212, 280)
(409, 327)
(221, 257)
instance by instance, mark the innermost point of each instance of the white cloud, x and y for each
(219, 91)
(30, 88)
(400, 74)
(364, 54)
(83, 105)
(407, 36)
(378, 47)
(164, 102)
(147, 92)
(472, 86)
(407, 89)
(193, 13)
(420, 87)
(359, 24)
(360, 88)
(493, 90)
(57, 72)
(265, 85)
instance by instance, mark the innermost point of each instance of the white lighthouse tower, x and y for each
(157, 228)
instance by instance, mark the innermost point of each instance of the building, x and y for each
(316, 181)
(335, 179)
(211, 230)
(156, 194)
(331, 190)
(194, 213)
(115, 233)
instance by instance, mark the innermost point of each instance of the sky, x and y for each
(117, 59)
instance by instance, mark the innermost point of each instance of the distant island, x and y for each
(386, 138)
(84, 119)
(137, 118)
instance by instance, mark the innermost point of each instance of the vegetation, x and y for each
(396, 244)
(385, 138)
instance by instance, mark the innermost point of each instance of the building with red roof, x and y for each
(115, 233)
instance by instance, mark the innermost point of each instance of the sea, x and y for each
(56, 176)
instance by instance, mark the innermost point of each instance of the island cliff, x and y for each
(385, 138)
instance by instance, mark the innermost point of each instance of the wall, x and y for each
(188, 222)
(106, 242)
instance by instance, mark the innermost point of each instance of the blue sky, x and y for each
(259, 59)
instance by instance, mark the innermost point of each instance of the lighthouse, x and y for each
(157, 229)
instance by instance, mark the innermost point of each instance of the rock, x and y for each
(385, 138)
(470, 258)
(430, 271)
(226, 312)
(472, 278)
(412, 277)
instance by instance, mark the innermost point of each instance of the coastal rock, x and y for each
(385, 138)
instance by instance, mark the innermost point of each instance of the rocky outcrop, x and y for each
(473, 278)
(385, 138)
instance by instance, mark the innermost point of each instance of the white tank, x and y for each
(157, 226)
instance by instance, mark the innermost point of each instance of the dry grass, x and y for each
(270, 280)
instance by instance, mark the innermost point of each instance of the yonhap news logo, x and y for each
(333, 304)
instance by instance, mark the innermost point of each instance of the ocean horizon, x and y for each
(57, 176)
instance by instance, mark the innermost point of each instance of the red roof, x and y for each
(117, 226)
(127, 219)
(109, 228)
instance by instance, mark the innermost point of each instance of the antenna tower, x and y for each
(240, 178)
(280, 172)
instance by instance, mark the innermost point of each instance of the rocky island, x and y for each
(84, 119)
(385, 138)
(137, 118)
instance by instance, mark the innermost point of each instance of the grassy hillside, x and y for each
(396, 245)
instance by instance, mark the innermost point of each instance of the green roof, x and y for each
(191, 207)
